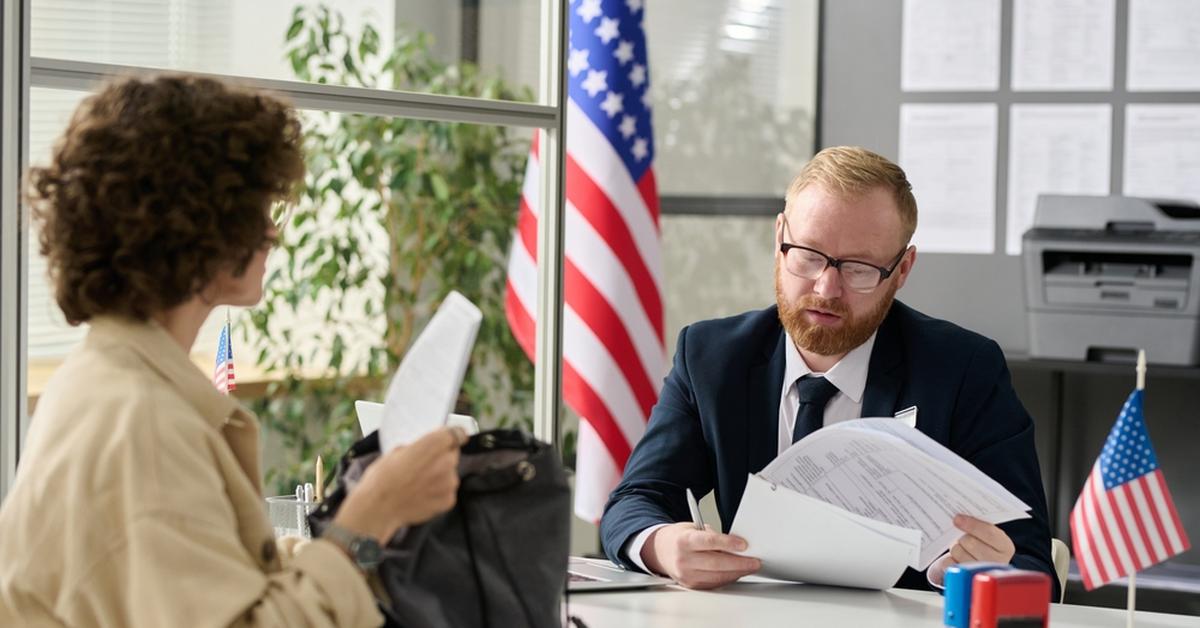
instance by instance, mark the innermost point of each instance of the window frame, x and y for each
(19, 72)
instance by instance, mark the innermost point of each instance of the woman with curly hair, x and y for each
(138, 499)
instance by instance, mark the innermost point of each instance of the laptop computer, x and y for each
(592, 574)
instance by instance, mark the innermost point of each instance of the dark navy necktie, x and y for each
(814, 393)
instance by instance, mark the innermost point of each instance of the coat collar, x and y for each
(884, 375)
(764, 385)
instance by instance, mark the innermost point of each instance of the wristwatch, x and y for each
(363, 550)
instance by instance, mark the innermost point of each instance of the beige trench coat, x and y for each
(137, 502)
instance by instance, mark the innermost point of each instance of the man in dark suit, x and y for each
(836, 346)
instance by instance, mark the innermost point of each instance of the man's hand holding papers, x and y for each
(980, 542)
(865, 498)
(697, 559)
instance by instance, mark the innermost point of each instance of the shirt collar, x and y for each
(849, 375)
(163, 354)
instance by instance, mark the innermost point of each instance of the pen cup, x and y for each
(289, 516)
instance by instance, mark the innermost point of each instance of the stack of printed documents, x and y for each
(854, 503)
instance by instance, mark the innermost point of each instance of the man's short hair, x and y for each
(157, 185)
(850, 171)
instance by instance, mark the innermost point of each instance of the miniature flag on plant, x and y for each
(1125, 519)
(223, 372)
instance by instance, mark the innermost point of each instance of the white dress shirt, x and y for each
(849, 375)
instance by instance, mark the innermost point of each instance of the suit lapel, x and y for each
(884, 376)
(763, 387)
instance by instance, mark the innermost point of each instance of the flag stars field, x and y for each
(589, 10)
(637, 75)
(596, 82)
(624, 52)
(628, 126)
(578, 61)
(612, 104)
(608, 29)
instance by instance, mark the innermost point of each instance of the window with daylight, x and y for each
(253, 39)
(395, 210)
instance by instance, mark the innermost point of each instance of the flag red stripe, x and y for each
(648, 188)
(527, 229)
(1105, 541)
(1124, 537)
(599, 315)
(576, 391)
(1170, 503)
(1154, 516)
(1091, 559)
(602, 319)
(594, 206)
(1083, 550)
(522, 325)
(1138, 522)
(591, 407)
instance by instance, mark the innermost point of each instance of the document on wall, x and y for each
(1054, 149)
(1063, 45)
(1162, 151)
(1164, 45)
(424, 389)
(949, 154)
(883, 494)
(950, 45)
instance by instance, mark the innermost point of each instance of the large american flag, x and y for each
(223, 371)
(1125, 519)
(613, 352)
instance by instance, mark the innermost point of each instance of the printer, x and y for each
(1108, 275)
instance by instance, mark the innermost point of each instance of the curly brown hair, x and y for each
(157, 185)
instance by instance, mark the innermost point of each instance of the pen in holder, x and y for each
(289, 515)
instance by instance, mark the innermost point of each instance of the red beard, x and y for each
(824, 340)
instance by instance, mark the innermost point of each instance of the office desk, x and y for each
(810, 605)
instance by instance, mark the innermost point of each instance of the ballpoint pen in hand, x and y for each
(697, 520)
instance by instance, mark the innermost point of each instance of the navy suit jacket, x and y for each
(717, 420)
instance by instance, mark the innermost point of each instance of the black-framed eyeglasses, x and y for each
(857, 275)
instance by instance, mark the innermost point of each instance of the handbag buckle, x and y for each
(526, 470)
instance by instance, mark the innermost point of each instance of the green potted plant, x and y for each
(393, 214)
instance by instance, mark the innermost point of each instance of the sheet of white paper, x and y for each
(871, 471)
(370, 416)
(950, 45)
(423, 390)
(1164, 45)
(820, 543)
(939, 452)
(1063, 45)
(1162, 151)
(949, 154)
(1054, 149)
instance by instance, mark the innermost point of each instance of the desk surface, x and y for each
(795, 604)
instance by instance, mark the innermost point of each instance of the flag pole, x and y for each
(1132, 588)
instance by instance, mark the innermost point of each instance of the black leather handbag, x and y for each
(497, 559)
